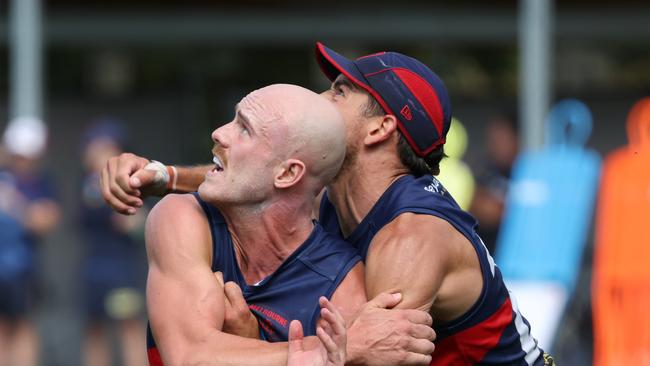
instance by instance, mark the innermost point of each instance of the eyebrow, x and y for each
(344, 81)
(244, 120)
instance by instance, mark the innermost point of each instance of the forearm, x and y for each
(188, 179)
(227, 350)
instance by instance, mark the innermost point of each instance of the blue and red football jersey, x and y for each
(315, 269)
(492, 332)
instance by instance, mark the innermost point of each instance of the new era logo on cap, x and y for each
(400, 84)
(406, 112)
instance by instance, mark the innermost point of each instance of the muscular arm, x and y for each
(434, 268)
(350, 296)
(184, 302)
(427, 260)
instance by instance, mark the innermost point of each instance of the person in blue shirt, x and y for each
(29, 211)
(113, 262)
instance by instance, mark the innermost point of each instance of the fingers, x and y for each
(142, 178)
(125, 165)
(295, 336)
(417, 316)
(413, 359)
(422, 332)
(108, 186)
(327, 340)
(332, 316)
(332, 332)
(219, 277)
(385, 300)
(235, 298)
(420, 346)
(116, 189)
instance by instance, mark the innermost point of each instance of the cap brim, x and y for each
(333, 64)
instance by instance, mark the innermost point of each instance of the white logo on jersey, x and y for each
(435, 186)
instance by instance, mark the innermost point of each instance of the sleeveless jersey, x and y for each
(492, 332)
(315, 269)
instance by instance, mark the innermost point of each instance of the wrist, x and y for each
(161, 183)
(355, 355)
(172, 182)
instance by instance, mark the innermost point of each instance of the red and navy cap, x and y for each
(404, 87)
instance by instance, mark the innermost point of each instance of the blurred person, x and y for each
(493, 175)
(28, 211)
(387, 203)
(112, 270)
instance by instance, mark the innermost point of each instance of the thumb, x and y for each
(385, 300)
(295, 336)
(143, 178)
(235, 296)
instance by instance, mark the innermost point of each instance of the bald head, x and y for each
(304, 125)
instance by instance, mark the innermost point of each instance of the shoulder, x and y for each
(177, 208)
(418, 235)
(178, 223)
(415, 226)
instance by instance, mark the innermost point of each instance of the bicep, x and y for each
(406, 257)
(181, 309)
(350, 295)
(184, 301)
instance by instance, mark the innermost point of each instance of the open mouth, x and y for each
(218, 164)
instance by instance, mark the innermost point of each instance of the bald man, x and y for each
(251, 220)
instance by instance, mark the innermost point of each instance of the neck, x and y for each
(264, 237)
(359, 186)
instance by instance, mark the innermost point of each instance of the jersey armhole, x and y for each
(342, 272)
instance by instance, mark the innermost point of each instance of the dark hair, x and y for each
(416, 165)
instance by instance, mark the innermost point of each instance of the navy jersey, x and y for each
(492, 332)
(315, 269)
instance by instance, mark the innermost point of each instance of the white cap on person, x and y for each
(25, 136)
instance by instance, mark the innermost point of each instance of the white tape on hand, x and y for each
(160, 180)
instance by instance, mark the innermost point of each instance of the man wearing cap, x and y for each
(386, 202)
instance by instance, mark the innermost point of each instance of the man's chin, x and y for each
(209, 196)
(204, 193)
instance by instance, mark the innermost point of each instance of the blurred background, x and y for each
(156, 77)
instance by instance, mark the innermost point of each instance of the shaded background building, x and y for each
(172, 70)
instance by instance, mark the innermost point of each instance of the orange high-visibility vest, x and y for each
(621, 278)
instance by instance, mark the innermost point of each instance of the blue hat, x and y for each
(105, 128)
(404, 87)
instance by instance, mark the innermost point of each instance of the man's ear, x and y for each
(380, 129)
(289, 173)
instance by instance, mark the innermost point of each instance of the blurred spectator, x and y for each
(493, 175)
(28, 211)
(112, 270)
